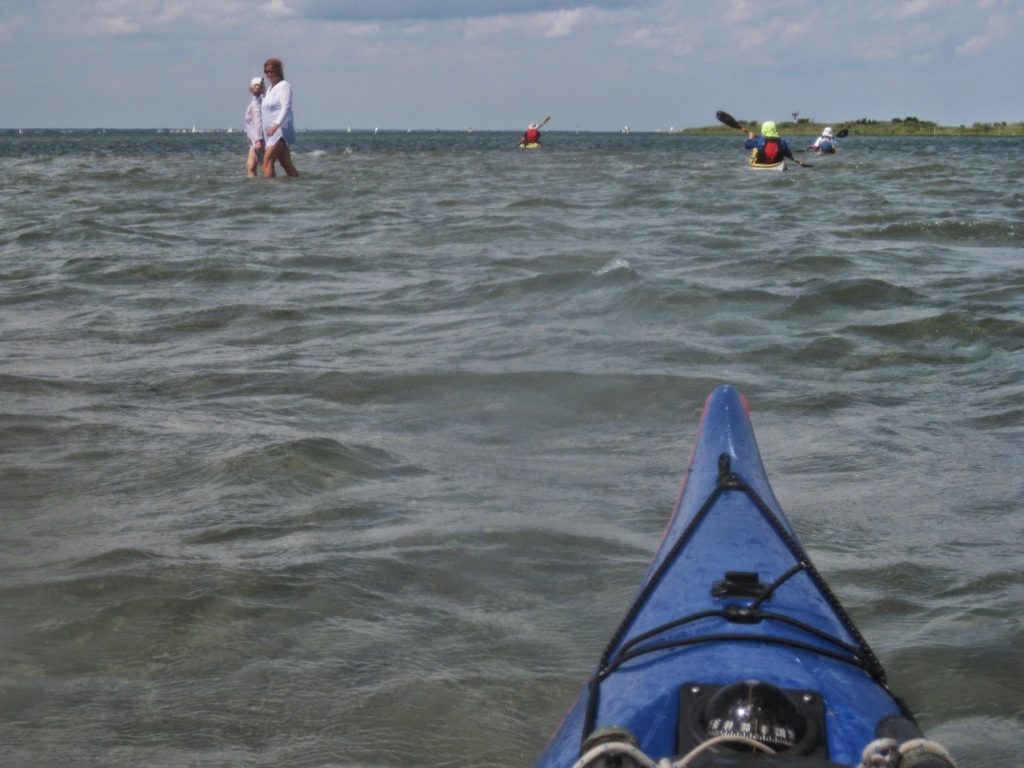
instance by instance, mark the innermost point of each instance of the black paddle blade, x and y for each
(843, 133)
(727, 119)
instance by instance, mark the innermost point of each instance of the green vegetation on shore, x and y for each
(898, 126)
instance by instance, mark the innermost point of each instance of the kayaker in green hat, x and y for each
(771, 148)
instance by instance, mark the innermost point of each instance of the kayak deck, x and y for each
(730, 597)
(779, 166)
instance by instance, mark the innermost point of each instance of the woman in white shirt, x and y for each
(278, 122)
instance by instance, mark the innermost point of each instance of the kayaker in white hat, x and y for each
(531, 136)
(826, 143)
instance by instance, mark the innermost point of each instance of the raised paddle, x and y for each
(726, 119)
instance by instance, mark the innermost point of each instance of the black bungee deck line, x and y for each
(860, 652)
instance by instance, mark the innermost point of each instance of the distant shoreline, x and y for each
(786, 128)
(866, 127)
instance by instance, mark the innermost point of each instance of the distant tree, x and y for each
(897, 120)
(803, 120)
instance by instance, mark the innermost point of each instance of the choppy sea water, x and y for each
(362, 468)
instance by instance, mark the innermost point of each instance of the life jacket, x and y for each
(770, 153)
(532, 136)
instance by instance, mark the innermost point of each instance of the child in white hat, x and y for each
(254, 127)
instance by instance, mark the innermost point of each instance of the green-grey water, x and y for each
(362, 468)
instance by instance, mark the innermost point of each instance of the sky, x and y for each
(501, 64)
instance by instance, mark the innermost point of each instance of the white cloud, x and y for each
(552, 25)
(561, 23)
(675, 41)
(276, 9)
(997, 30)
(131, 17)
(740, 11)
(112, 26)
(908, 9)
(198, 11)
(358, 29)
(765, 32)
(490, 26)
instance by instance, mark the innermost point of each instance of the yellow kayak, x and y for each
(779, 166)
(752, 162)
